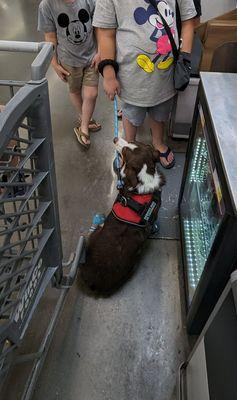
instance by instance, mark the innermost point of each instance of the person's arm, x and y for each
(198, 7)
(61, 72)
(196, 22)
(107, 46)
(96, 59)
(187, 35)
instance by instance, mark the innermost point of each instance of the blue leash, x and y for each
(116, 135)
(116, 130)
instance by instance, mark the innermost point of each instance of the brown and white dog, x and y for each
(113, 249)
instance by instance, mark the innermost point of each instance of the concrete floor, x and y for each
(122, 348)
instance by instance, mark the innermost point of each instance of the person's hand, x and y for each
(95, 62)
(182, 71)
(111, 87)
(61, 72)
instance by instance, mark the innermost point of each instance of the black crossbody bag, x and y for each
(182, 60)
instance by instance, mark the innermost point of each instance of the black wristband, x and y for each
(106, 62)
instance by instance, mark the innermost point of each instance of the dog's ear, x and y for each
(156, 155)
(126, 152)
(130, 179)
(162, 180)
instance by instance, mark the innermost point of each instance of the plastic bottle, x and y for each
(97, 221)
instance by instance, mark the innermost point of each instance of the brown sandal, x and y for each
(80, 135)
(93, 125)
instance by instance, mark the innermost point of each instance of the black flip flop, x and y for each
(166, 155)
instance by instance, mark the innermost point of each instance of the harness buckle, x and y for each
(124, 201)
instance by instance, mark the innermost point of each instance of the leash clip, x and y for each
(124, 201)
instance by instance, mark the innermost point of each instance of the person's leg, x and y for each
(129, 129)
(158, 115)
(90, 94)
(75, 84)
(76, 101)
(133, 117)
(157, 129)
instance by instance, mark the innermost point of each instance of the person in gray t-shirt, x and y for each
(68, 25)
(132, 33)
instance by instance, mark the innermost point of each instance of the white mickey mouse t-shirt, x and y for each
(143, 49)
(72, 22)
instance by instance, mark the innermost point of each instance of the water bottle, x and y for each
(155, 228)
(97, 221)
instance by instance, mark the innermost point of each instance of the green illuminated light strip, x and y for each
(195, 250)
(199, 161)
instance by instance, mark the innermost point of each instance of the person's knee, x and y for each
(90, 93)
(134, 115)
(75, 92)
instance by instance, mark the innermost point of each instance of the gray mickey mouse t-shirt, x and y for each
(143, 48)
(72, 22)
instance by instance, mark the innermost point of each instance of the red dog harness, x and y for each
(137, 209)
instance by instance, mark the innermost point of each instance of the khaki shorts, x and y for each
(80, 76)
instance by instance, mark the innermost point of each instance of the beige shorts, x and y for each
(80, 76)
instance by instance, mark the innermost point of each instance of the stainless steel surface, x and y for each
(182, 113)
(210, 371)
(196, 375)
(181, 395)
(221, 93)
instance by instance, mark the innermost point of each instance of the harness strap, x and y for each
(131, 203)
(141, 213)
(150, 213)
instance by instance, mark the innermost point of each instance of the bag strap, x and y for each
(178, 19)
(175, 50)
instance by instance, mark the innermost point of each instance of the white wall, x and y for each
(213, 8)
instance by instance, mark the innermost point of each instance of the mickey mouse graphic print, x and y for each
(144, 52)
(72, 21)
(162, 57)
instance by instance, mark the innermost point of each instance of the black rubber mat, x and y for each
(168, 215)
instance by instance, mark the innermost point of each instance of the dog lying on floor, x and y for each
(113, 248)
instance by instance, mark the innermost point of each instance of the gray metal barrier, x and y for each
(30, 238)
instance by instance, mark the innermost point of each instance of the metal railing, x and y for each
(30, 237)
